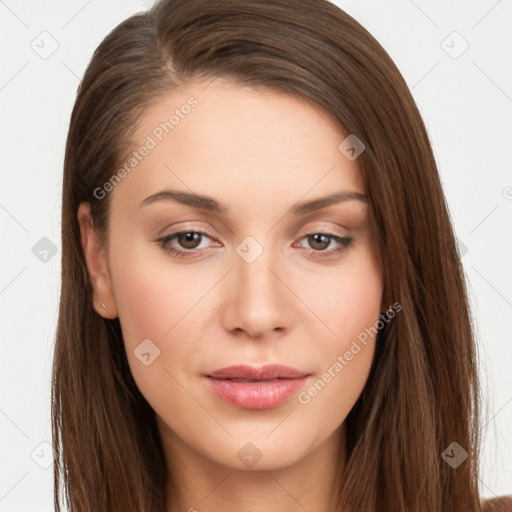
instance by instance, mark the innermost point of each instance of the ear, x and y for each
(96, 261)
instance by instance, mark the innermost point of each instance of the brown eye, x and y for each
(189, 240)
(186, 244)
(318, 244)
(319, 241)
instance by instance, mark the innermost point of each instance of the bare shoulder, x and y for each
(499, 504)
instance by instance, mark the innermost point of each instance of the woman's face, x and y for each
(264, 272)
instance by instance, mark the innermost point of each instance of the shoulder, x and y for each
(499, 504)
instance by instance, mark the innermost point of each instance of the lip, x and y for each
(267, 372)
(246, 387)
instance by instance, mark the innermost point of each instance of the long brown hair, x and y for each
(422, 393)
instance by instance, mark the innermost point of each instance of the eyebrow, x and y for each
(203, 202)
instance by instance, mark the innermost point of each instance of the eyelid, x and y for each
(206, 231)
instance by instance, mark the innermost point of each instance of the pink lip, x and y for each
(269, 371)
(271, 385)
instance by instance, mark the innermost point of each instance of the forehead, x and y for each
(229, 141)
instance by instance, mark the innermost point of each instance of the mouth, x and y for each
(256, 388)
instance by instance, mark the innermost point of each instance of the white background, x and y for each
(466, 103)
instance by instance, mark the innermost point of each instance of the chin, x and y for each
(257, 452)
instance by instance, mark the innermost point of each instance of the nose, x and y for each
(256, 301)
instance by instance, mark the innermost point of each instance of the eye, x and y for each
(319, 242)
(187, 242)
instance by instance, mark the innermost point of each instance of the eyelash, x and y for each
(344, 243)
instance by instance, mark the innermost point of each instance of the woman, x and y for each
(262, 303)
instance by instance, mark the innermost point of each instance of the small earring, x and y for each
(103, 306)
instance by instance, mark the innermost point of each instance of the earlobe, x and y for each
(94, 253)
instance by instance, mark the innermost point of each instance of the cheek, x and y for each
(149, 306)
(349, 306)
(152, 295)
(161, 303)
(348, 300)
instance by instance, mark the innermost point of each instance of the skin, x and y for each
(259, 152)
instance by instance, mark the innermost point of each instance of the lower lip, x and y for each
(265, 394)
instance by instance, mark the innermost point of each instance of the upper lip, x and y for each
(269, 371)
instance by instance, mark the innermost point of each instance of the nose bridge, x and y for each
(257, 302)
